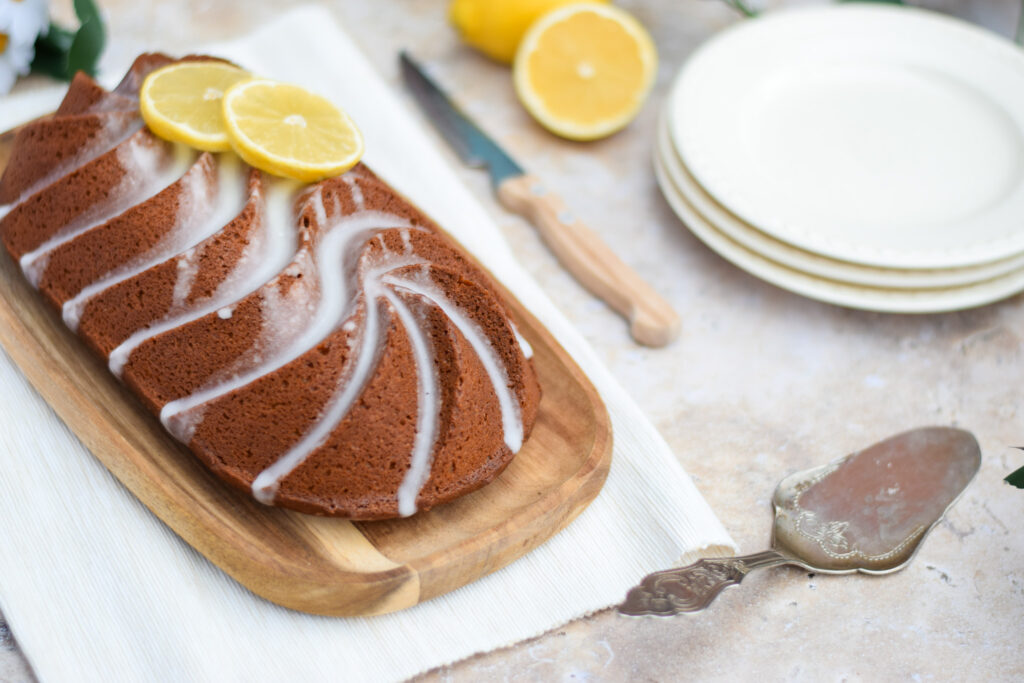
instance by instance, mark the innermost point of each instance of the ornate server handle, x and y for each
(691, 589)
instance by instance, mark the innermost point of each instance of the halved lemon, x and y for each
(286, 130)
(584, 70)
(495, 27)
(182, 102)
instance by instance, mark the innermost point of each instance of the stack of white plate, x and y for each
(869, 156)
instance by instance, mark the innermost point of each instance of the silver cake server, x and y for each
(866, 512)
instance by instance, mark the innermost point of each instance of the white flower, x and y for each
(21, 22)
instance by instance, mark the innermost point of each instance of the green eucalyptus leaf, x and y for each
(1016, 479)
(742, 7)
(61, 53)
(50, 62)
(51, 52)
(86, 48)
(86, 10)
(56, 38)
(89, 41)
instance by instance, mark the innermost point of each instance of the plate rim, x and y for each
(981, 41)
(796, 282)
(809, 262)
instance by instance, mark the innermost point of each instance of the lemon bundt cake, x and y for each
(326, 347)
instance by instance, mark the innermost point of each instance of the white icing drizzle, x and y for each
(270, 248)
(206, 205)
(523, 344)
(187, 269)
(354, 379)
(146, 173)
(336, 298)
(352, 383)
(316, 200)
(428, 410)
(352, 181)
(226, 312)
(511, 419)
(113, 102)
(114, 129)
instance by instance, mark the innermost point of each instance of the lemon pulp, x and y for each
(182, 102)
(584, 71)
(286, 130)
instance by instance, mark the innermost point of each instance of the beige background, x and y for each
(761, 383)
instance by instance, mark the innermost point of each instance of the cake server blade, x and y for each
(581, 251)
(866, 512)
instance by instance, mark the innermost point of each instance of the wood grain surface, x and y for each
(314, 564)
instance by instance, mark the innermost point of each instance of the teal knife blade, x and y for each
(651, 319)
(471, 144)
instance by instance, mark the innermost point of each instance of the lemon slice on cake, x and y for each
(584, 70)
(182, 102)
(286, 130)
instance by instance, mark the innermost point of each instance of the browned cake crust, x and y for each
(325, 347)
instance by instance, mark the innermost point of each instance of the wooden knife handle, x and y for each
(652, 320)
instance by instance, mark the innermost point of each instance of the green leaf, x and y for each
(51, 56)
(1016, 479)
(53, 64)
(61, 53)
(88, 43)
(742, 7)
(86, 10)
(56, 38)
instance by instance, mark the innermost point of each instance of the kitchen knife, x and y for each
(581, 251)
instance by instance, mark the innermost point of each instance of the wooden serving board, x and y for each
(314, 564)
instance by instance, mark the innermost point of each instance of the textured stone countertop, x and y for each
(761, 383)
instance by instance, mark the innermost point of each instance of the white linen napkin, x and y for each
(95, 587)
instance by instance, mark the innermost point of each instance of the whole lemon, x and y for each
(495, 27)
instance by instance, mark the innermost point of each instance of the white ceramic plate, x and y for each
(831, 291)
(809, 262)
(887, 136)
